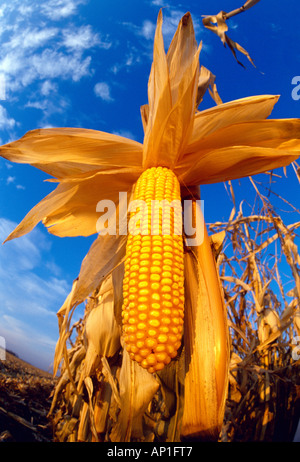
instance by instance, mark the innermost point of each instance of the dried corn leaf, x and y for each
(110, 375)
(105, 254)
(90, 388)
(102, 333)
(216, 241)
(83, 434)
(144, 115)
(55, 200)
(117, 278)
(234, 162)
(213, 119)
(221, 28)
(64, 319)
(137, 388)
(278, 134)
(207, 82)
(206, 345)
(102, 405)
(80, 216)
(71, 209)
(80, 151)
(75, 364)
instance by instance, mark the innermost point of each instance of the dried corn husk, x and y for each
(102, 333)
(221, 27)
(206, 344)
(137, 388)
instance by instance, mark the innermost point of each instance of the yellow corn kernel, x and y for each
(153, 301)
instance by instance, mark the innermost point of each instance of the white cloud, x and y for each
(6, 122)
(125, 134)
(48, 87)
(33, 50)
(131, 58)
(23, 69)
(11, 63)
(23, 247)
(148, 30)
(60, 9)
(170, 24)
(171, 19)
(25, 9)
(48, 99)
(42, 105)
(83, 37)
(30, 38)
(10, 179)
(102, 90)
(54, 64)
(160, 3)
(53, 104)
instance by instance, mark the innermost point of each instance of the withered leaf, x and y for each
(221, 28)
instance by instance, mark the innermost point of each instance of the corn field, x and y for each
(262, 300)
(178, 341)
(92, 400)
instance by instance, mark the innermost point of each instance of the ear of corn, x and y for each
(153, 285)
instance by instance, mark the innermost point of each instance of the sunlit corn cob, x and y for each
(153, 286)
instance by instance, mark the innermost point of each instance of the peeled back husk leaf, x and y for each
(206, 343)
(137, 388)
(102, 333)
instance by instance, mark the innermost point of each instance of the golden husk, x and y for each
(206, 343)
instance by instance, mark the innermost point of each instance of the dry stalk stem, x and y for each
(243, 8)
(221, 27)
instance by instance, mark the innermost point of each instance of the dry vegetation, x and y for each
(259, 265)
(24, 401)
(260, 271)
(102, 395)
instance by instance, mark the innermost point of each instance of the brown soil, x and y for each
(25, 399)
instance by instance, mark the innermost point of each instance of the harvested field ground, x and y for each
(24, 402)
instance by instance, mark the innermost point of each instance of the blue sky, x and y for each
(85, 63)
